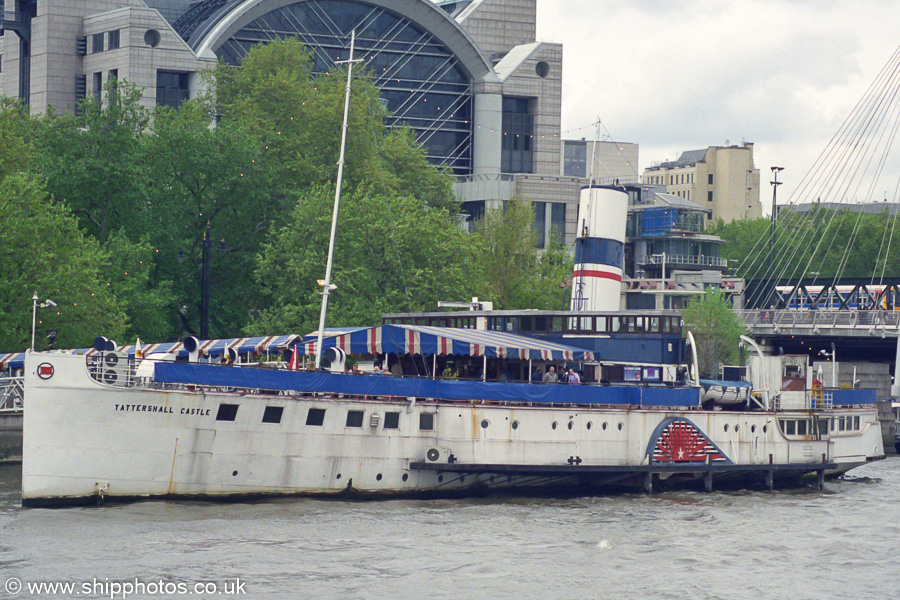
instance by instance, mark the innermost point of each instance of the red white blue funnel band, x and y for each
(597, 271)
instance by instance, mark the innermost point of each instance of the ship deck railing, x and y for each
(12, 394)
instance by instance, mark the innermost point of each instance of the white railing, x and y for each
(823, 319)
(12, 393)
(688, 259)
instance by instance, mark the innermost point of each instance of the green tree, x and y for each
(17, 128)
(391, 254)
(42, 250)
(716, 329)
(512, 272)
(297, 118)
(92, 161)
(132, 274)
(216, 177)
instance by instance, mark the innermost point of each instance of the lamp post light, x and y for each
(34, 307)
(833, 356)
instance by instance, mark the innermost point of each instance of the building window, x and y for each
(315, 417)
(426, 421)
(518, 130)
(709, 196)
(354, 418)
(549, 223)
(113, 40)
(113, 78)
(272, 414)
(575, 159)
(97, 42)
(98, 87)
(391, 420)
(710, 179)
(171, 88)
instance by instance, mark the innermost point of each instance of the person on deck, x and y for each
(574, 377)
(550, 376)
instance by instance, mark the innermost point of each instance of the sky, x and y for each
(675, 76)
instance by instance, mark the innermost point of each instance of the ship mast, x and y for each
(326, 283)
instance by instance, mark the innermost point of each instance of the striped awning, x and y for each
(422, 339)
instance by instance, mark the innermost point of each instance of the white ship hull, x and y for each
(85, 440)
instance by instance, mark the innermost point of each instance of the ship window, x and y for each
(426, 421)
(485, 423)
(840, 424)
(789, 426)
(855, 422)
(354, 418)
(589, 425)
(315, 416)
(726, 427)
(515, 424)
(823, 427)
(571, 425)
(620, 427)
(553, 426)
(604, 426)
(801, 427)
(227, 412)
(753, 429)
(391, 420)
(272, 414)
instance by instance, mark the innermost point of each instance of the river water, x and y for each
(803, 543)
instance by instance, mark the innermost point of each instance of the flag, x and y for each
(295, 359)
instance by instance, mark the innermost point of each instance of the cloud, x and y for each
(676, 76)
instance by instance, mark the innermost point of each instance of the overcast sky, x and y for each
(675, 76)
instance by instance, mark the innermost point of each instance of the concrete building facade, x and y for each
(723, 179)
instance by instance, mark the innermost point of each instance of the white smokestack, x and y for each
(599, 249)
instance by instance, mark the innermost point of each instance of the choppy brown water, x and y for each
(838, 543)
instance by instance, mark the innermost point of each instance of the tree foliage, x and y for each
(93, 161)
(42, 250)
(512, 272)
(716, 329)
(392, 254)
(828, 242)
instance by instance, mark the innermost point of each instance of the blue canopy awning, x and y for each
(422, 339)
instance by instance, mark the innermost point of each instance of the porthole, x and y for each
(726, 427)
(515, 424)
(440, 478)
(571, 425)
(542, 69)
(620, 426)
(765, 428)
(737, 428)
(554, 425)
(485, 423)
(405, 477)
(753, 429)
(378, 477)
(338, 476)
(589, 425)
(234, 473)
(603, 426)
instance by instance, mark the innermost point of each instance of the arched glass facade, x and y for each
(422, 82)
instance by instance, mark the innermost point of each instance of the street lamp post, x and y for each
(204, 285)
(34, 307)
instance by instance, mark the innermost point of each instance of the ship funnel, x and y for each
(599, 249)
